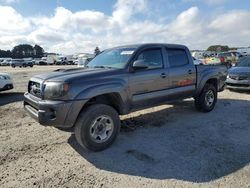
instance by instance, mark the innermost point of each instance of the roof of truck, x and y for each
(151, 44)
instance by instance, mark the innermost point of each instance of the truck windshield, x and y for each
(113, 58)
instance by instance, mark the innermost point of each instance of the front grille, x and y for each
(244, 77)
(238, 85)
(238, 77)
(233, 77)
(34, 88)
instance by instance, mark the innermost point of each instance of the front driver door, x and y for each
(145, 83)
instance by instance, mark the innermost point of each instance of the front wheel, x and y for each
(207, 99)
(97, 127)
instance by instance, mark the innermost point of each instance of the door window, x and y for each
(153, 58)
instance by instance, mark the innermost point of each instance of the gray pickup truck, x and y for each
(116, 82)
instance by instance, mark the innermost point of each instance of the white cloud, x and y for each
(71, 32)
(12, 22)
(187, 23)
(124, 9)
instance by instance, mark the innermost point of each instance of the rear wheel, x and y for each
(97, 127)
(207, 99)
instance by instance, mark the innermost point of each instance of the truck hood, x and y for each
(69, 75)
(239, 70)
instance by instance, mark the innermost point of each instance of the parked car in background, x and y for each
(21, 63)
(71, 60)
(82, 62)
(209, 54)
(212, 61)
(244, 51)
(198, 54)
(5, 62)
(76, 61)
(6, 82)
(229, 58)
(239, 76)
(43, 61)
(61, 60)
(36, 61)
(51, 59)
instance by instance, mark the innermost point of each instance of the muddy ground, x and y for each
(165, 146)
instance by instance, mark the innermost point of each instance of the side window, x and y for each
(177, 57)
(153, 58)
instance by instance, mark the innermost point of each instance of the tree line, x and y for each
(26, 50)
(221, 48)
(23, 51)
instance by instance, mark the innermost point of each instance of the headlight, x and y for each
(54, 90)
(228, 76)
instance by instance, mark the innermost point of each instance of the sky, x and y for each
(75, 26)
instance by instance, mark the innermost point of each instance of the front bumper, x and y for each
(7, 87)
(53, 113)
(238, 84)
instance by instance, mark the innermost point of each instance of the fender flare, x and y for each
(204, 80)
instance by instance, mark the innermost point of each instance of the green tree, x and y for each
(218, 48)
(97, 51)
(38, 51)
(4, 53)
(22, 51)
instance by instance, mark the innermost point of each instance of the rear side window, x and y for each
(177, 57)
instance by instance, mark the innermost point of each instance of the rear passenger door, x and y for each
(182, 73)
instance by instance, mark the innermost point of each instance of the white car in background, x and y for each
(5, 62)
(6, 82)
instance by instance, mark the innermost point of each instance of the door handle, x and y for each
(163, 75)
(190, 72)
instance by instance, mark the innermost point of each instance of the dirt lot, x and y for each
(165, 146)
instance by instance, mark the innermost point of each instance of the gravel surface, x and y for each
(165, 146)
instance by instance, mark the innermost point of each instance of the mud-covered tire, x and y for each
(207, 99)
(88, 119)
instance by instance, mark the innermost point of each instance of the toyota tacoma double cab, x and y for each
(116, 82)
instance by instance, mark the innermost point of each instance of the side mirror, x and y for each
(140, 64)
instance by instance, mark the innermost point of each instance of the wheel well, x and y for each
(214, 82)
(111, 99)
